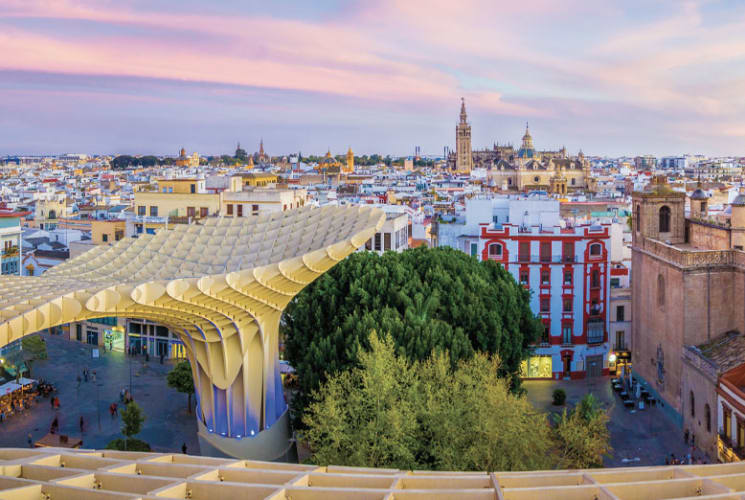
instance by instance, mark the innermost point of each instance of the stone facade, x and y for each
(684, 294)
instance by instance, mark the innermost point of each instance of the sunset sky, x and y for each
(151, 76)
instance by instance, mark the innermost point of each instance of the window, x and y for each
(574, 181)
(387, 241)
(536, 179)
(239, 208)
(523, 276)
(595, 331)
(495, 250)
(567, 277)
(141, 210)
(660, 290)
(615, 282)
(377, 241)
(595, 279)
(620, 341)
(595, 249)
(105, 237)
(567, 251)
(545, 276)
(230, 209)
(495, 219)
(79, 332)
(545, 304)
(566, 334)
(255, 208)
(284, 207)
(620, 313)
(193, 188)
(191, 211)
(474, 249)
(665, 219)
(567, 305)
(703, 207)
(545, 251)
(153, 211)
(740, 433)
(707, 417)
(693, 404)
(524, 251)
(727, 421)
(203, 211)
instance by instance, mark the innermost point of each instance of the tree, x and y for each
(426, 299)
(181, 379)
(132, 420)
(33, 347)
(391, 412)
(582, 437)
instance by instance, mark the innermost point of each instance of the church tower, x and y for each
(350, 161)
(464, 157)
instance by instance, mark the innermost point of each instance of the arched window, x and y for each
(536, 179)
(660, 290)
(707, 417)
(693, 405)
(509, 182)
(495, 250)
(574, 181)
(595, 249)
(665, 219)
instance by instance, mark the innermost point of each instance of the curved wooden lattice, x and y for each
(221, 285)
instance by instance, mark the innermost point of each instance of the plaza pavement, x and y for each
(167, 425)
(648, 435)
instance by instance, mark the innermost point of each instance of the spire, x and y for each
(261, 147)
(463, 115)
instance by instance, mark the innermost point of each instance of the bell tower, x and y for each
(463, 155)
(659, 213)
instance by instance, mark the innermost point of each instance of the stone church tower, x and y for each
(464, 157)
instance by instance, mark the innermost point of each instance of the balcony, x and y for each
(10, 252)
(545, 259)
(728, 452)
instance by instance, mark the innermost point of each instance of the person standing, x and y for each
(183, 448)
(82, 424)
(30, 441)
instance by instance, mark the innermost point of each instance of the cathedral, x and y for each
(524, 169)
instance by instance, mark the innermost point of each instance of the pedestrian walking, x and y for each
(93, 376)
(161, 358)
(116, 410)
(85, 374)
(79, 381)
(183, 448)
(30, 441)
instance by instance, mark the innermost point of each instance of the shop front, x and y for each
(536, 367)
(619, 362)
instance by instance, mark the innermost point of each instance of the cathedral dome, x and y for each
(698, 194)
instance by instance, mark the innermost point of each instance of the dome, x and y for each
(698, 194)
(739, 201)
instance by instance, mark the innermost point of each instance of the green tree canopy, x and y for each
(426, 299)
(389, 412)
(582, 437)
(181, 379)
(132, 420)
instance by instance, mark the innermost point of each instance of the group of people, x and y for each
(688, 459)
(87, 375)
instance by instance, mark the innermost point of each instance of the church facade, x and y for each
(524, 169)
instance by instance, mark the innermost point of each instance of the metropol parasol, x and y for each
(222, 286)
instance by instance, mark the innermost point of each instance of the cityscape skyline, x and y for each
(137, 77)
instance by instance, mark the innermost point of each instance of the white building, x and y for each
(566, 268)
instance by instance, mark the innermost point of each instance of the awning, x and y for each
(26, 381)
(9, 387)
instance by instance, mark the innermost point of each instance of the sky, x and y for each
(380, 76)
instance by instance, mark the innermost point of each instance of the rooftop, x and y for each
(726, 351)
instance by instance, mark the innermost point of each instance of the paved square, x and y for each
(167, 425)
(645, 437)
